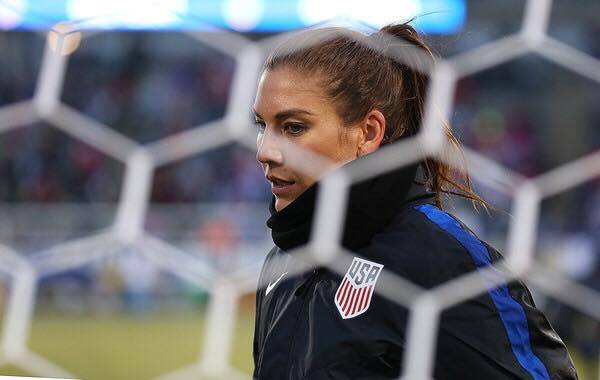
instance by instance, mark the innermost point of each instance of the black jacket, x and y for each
(319, 325)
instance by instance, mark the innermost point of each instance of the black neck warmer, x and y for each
(371, 206)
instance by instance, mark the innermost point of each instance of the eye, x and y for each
(294, 128)
(260, 125)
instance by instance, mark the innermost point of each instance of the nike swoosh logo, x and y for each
(271, 286)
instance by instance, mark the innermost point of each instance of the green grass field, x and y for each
(129, 348)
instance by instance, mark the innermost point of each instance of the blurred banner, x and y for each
(434, 16)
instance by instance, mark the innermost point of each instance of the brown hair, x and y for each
(360, 78)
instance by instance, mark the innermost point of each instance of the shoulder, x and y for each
(428, 246)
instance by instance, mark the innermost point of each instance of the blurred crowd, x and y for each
(528, 114)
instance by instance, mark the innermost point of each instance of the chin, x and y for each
(280, 204)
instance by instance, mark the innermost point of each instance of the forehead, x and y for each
(284, 88)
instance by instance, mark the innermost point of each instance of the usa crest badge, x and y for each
(355, 292)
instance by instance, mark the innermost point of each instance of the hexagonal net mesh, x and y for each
(114, 227)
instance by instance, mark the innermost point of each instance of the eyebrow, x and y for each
(287, 113)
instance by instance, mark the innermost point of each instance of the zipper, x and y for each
(301, 291)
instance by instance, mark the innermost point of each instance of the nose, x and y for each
(268, 150)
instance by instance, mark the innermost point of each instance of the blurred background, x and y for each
(143, 75)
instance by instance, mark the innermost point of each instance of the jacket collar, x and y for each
(371, 206)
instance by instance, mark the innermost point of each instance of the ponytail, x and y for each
(439, 176)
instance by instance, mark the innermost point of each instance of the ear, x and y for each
(372, 131)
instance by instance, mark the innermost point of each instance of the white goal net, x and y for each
(57, 255)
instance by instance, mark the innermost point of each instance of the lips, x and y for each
(280, 182)
(280, 187)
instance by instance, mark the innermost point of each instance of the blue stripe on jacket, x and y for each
(511, 312)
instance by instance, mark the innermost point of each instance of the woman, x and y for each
(342, 100)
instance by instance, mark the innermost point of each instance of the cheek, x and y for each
(326, 141)
(338, 144)
(304, 182)
(336, 151)
(343, 153)
(348, 143)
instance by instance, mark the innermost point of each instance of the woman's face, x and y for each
(292, 107)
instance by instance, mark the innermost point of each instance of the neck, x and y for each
(372, 204)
